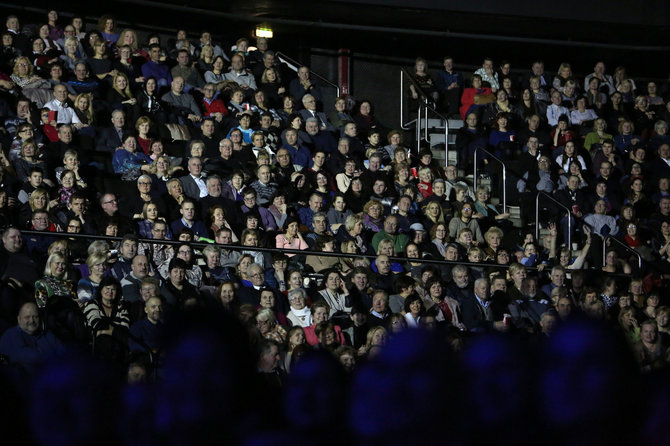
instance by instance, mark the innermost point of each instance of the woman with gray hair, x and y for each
(266, 323)
(300, 314)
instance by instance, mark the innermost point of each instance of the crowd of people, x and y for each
(199, 156)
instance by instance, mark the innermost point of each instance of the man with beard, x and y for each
(147, 335)
(460, 287)
(527, 312)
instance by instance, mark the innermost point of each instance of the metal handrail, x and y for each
(403, 74)
(537, 216)
(504, 174)
(628, 248)
(295, 66)
(286, 251)
(305, 252)
(427, 108)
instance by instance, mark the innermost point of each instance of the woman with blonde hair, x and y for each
(119, 97)
(55, 281)
(206, 59)
(100, 64)
(375, 338)
(434, 215)
(88, 286)
(564, 73)
(32, 86)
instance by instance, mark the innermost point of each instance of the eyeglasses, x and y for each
(261, 322)
(255, 276)
(109, 202)
(144, 183)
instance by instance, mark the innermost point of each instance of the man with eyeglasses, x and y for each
(310, 111)
(212, 106)
(251, 293)
(249, 204)
(465, 220)
(38, 245)
(110, 210)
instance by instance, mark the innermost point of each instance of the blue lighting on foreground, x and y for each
(580, 385)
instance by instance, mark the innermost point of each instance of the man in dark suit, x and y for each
(320, 139)
(309, 111)
(252, 294)
(110, 138)
(194, 183)
(214, 198)
(477, 312)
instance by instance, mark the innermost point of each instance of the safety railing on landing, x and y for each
(421, 121)
(607, 238)
(422, 125)
(504, 173)
(537, 215)
(295, 66)
(404, 78)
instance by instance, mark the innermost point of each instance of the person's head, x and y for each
(482, 288)
(459, 274)
(28, 318)
(177, 85)
(627, 317)
(493, 237)
(414, 305)
(237, 62)
(380, 300)
(177, 271)
(295, 336)
(255, 274)
(377, 336)
(269, 353)
(187, 209)
(56, 265)
(97, 263)
(40, 220)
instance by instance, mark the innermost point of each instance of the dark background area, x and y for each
(383, 36)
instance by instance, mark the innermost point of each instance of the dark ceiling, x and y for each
(519, 31)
